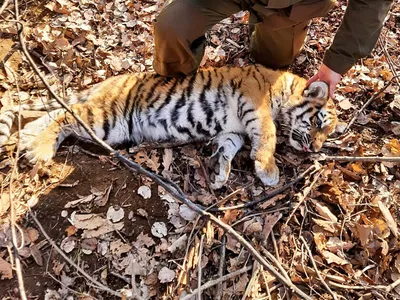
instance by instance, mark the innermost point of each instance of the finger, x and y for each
(332, 88)
(312, 79)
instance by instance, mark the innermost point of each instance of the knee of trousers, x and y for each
(181, 21)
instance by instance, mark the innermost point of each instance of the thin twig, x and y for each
(389, 60)
(275, 261)
(218, 280)
(395, 159)
(254, 277)
(366, 104)
(13, 203)
(304, 196)
(270, 195)
(222, 254)
(199, 268)
(3, 6)
(78, 268)
(316, 269)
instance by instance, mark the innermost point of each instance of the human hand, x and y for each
(330, 77)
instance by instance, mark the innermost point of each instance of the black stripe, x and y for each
(301, 105)
(241, 105)
(201, 130)
(151, 91)
(164, 124)
(179, 104)
(233, 143)
(204, 104)
(168, 97)
(190, 86)
(250, 110)
(293, 85)
(106, 124)
(217, 127)
(258, 81)
(249, 121)
(308, 110)
(90, 116)
(128, 110)
(2, 121)
(185, 130)
(190, 117)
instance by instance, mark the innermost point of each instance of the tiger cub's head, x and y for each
(312, 120)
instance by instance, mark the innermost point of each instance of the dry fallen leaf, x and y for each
(333, 258)
(159, 229)
(388, 218)
(186, 213)
(5, 269)
(115, 214)
(269, 223)
(144, 191)
(166, 275)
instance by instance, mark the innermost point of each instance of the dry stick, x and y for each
(303, 198)
(366, 104)
(199, 267)
(276, 262)
(270, 195)
(78, 268)
(172, 188)
(217, 281)
(316, 269)
(254, 277)
(3, 7)
(222, 255)
(389, 59)
(13, 203)
(360, 158)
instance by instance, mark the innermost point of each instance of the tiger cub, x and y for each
(223, 104)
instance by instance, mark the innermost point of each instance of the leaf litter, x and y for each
(350, 214)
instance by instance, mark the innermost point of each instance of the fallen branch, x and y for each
(13, 202)
(218, 280)
(303, 197)
(395, 159)
(78, 268)
(316, 269)
(199, 268)
(221, 267)
(270, 195)
(3, 7)
(366, 104)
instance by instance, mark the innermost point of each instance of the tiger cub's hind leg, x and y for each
(44, 145)
(227, 145)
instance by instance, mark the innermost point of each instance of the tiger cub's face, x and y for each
(313, 120)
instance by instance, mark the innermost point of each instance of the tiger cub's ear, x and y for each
(317, 90)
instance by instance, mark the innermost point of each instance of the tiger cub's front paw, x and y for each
(268, 173)
(220, 168)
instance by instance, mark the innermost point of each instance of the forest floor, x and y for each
(134, 238)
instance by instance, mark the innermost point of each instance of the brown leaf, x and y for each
(333, 258)
(5, 269)
(364, 233)
(37, 255)
(71, 230)
(320, 240)
(269, 223)
(326, 225)
(335, 244)
(325, 212)
(388, 218)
